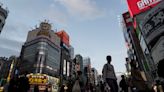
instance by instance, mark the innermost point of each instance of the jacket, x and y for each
(108, 72)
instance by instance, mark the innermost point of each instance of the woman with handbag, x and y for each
(79, 83)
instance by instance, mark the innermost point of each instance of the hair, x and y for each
(122, 76)
(108, 58)
(79, 72)
(133, 64)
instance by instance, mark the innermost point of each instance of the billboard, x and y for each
(138, 6)
(64, 37)
(37, 79)
(153, 23)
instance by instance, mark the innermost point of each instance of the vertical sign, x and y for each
(68, 68)
(64, 67)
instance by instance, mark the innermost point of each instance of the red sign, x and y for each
(64, 37)
(137, 6)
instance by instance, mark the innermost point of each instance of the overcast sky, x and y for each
(93, 27)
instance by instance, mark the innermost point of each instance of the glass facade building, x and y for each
(40, 53)
(41, 56)
(3, 16)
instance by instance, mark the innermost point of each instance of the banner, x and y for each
(138, 6)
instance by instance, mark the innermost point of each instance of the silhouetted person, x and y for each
(13, 85)
(160, 68)
(62, 88)
(69, 84)
(36, 88)
(109, 75)
(123, 84)
(87, 86)
(102, 86)
(137, 80)
(91, 87)
(46, 90)
(160, 71)
(81, 81)
(24, 85)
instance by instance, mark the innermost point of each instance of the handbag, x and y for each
(76, 87)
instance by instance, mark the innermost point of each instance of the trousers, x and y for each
(113, 84)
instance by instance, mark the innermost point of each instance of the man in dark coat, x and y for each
(24, 85)
(123, 84)
(109, 74)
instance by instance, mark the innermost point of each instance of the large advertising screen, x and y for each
(137, 6)
(64, 37)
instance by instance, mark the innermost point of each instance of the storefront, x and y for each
(43, 82)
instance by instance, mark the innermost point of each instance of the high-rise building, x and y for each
(3, 16)
(148, 22)
(71, 50)
(128, 67)
(87, 69)
(94, 76)
(79, 63)
(147, 16)
(151, 27)
(41, 51)
(72, 62)
(65, 59)
(87, 66)
(135, 52)
(86, 62)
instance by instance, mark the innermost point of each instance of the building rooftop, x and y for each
(3, 10)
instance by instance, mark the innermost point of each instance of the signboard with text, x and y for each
(55, 83)
(138, 6)
(153, 23)
(37, 79)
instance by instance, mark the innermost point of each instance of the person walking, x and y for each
(36, 88)
(123, 84)
(102, 86)
(137, 80)
(24, 85)
(109, 75)
(13, 85)
(81, 80)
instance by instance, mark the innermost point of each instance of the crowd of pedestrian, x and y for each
(21, 84)
(77, 85)
(109, 84)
